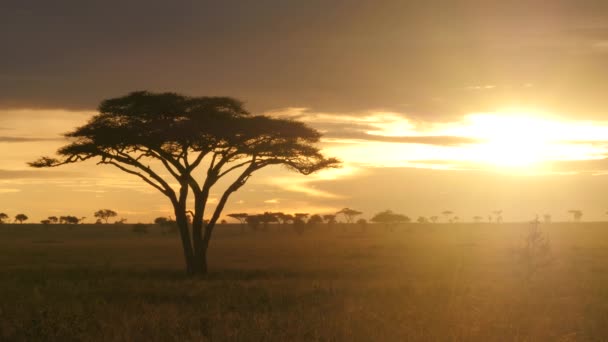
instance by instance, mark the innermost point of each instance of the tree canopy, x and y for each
(389, 217)
(105, 214)
(149, 134)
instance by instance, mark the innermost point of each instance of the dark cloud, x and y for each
(338, 56)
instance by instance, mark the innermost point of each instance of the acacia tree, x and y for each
(241, 217)
(149, 135)
(577, 215)
(105, 214)
(20, 218)
(3, 216)
(389, 218)
(349, 214)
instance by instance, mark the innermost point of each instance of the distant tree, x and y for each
(389, 218)
(422, 220)
(81, 220)
(315, 220)
(20, 218)
(448, 215)
(497, 216)
(254, 221)
(105, 214)
(241, 217)
(121, 221)
(98, 221)
(3, 217)
(284, 218)
(301, 216)
(267, 218)
(161, 221)
(547, 218)
(577, 215)
(53, 219)
(434, 219)
(349, 214)
(330, 219)
(477, 219)
(362, 222)
(45, 222)
(167, 224)
(68, 219)
(182, 133)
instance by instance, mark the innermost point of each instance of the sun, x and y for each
(514, 139)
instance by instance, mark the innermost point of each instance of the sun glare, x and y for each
(513, 139)
(525, 139)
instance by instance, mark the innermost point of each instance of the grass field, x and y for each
(457, 282)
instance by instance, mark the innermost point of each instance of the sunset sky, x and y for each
(468, 106)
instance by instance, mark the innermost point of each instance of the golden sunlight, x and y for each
(525, 139)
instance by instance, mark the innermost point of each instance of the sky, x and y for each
(468, 106)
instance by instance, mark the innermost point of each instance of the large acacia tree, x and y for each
(182, 146)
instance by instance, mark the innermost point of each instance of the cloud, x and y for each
(6, 191)
(9, 139)
(21, 174)
(272, 201)
(421, 139)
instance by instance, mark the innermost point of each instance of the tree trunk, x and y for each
(182, 224)
(200, 251)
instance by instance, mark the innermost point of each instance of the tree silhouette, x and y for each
(105, 214)
(266, 218)
(547, 218)
(45, 222)
(253, 221)
(20, 218)
(498, 216)
(241, 217)
(283, 218)
(68, 219)
(448, 215)
(330, 219)
(434, 219)
(53, 219)
(3, 216)
(315, 220)
(477, 219)
(389, 218)
(349, 214)
(422, 220)
(143, 131)
(577, 215)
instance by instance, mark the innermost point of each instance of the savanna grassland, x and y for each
(443, 282)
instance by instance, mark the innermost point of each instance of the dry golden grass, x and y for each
(457, 282)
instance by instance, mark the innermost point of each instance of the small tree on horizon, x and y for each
(105, 214)
(349, 214)
(241, 217)
(53, 219)
(577, 214)
(389, 218)
(330, 219)
(448, 215)
(21, 218)
(3, 217)
(142, 131)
